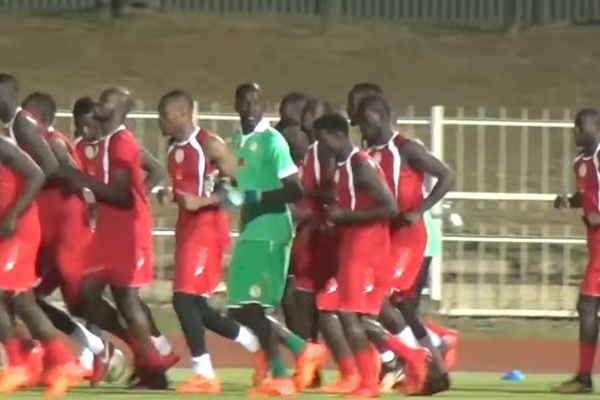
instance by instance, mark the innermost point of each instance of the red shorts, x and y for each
(18, 253)
(60, 261)
(360, 282)
(591, 279)
(198, 263)
(120, 260)
(407, 252)
(313, 258)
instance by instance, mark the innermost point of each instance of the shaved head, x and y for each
(176, 115)
(114, 105)
(314, 110)
(9, 96)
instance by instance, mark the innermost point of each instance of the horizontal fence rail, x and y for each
(507, 259)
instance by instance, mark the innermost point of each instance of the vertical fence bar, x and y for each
(480, 156)
(437, 148)
(502, 165)
(545, 180)
(524, 136)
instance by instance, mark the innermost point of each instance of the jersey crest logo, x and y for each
(377, 157)
(241, 162)
(253, 146)
(255, 291)
(90, 151)
(336, 176)
(582, 170)
(179, 156)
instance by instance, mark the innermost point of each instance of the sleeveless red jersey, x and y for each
(587, 177)
(405, 183)
(348, 197)
(192, 172)
(120, 150)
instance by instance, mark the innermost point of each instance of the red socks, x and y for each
(399, 348)
(587, 353)
(56, 352)
(347, 366)
(143, 357)
(438, 329)
(14, 352)
(366, 368)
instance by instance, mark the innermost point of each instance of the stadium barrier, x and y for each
(515, 256)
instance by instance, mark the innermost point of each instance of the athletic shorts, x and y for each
(406, 257)
(257, 273)
(591, 279)
(18, 253)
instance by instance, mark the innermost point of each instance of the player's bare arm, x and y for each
(116, 193)
(27, 132)
(368, 180)
(297, 141)
(217, 152)
(16, 159)
(155, 173)
(420, 159)
(65, 161)
(289, 193)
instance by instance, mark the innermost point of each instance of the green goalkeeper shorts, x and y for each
(257, 273)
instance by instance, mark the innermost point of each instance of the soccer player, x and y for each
(65, 237)
(268, 179)
(290, 113)
(121, 248)
(586, 197)
(405, 163)
(197, 159)
(21, 180)
(360, 216)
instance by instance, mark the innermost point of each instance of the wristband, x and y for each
(231, 197)
(252, 197)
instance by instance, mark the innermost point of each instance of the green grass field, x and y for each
(236, 381)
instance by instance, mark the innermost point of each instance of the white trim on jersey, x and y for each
(77, 140)
(11, 124)
(201, 161)
(105, 158)
(397, 165)
(316, 163)
(351, 188)
(597, 171)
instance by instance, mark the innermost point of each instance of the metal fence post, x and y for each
(437, 148)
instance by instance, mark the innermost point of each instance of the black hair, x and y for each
(314, 105)
(586, 113)
(83, 106)
(367, 87)
(246, 88)
(377, 103)
(333, 123)
(292, 98)
(176, 95)
(44, 105)
(9, 81)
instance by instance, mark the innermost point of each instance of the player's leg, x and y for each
(422, 280)
(333, 334)
(359, 343)
(190, 319)
(63, 370)
(160, 341)
(289, 307)
(587, 309)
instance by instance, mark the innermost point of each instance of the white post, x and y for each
(437, 148)
(195, 114)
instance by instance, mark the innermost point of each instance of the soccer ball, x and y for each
(117, 367)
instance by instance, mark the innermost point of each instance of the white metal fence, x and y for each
(516, 256)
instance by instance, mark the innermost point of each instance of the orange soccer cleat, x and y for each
(308, 363)
(276, 387)
(344, 385)
(62, 378)
(200, 384)
(365, 392)
(13, 378)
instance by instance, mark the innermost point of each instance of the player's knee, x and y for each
(587, 306)
(128, 302)
(24, 302)
(183, 303)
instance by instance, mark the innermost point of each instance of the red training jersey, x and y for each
(102, 158)
(191, 171)
(587, 177)
(405, 183)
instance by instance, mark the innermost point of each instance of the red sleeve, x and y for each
(124, 152)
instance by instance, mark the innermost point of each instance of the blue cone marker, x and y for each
(513, 375)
